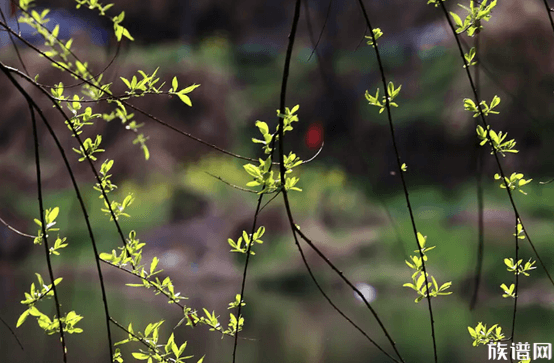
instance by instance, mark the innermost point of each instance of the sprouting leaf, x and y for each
(262, 126)
(185, 99)
(457, 19)
(174, 84)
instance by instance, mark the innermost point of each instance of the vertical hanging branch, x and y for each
(294, 227)
(549, 11)
(45, 237)
(7, 71)
(472, 25)
(422, 283)
(263, 175)
(282, 168)
(43, 224)
(474, 60)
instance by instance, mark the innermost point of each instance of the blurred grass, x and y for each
(328, 191)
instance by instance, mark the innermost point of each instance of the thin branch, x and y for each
(306, 6)
(42, 220)
(7, 70)
(15, 47)
(12, 332)
(497, 159)
(402, 178)
(15, 230)
(62, 45)
(479, 179)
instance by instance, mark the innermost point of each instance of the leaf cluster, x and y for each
(131, 254)
(472, 22)
(50, 216)
(58, 53)
(238, 247)
(435, 2)
(497, 140)
(482, 335)
(171, 353)
(262, 174)
(374, 100)
(469, 57)
(518, 268)
(419, 279)
(377, 33)
(469, 105)
(90, 148)
(50, 326)
(515, 181)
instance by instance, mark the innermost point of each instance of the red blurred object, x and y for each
(191, 320)
(314, 135)
(13, 8)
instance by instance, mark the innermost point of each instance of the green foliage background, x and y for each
(344, 190)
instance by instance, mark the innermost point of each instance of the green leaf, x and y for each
(140, 356)
(106, 256)
(56, 31)
(420, 281)
(445, 286)
(246, 237)
(146, 152)
(189, 88)
(118, 31)
(260, 232)
(119, 18)
(185, 99)
(174, 84)
(53, 214)
(153, 265)
(127, 83)
(264, 129)
(22, 318)
(421, 240)
(457, 19)
(252, 170)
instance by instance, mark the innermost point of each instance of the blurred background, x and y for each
(352, 205)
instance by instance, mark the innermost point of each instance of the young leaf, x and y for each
(186, 99)
(174, 84)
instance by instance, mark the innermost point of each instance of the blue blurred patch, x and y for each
(70, 25)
